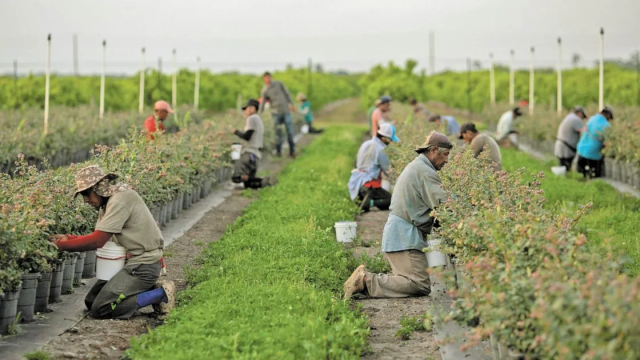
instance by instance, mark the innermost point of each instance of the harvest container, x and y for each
(346, 231)
(67, 274)
(235, 151)
(77, 276)
(27, 298)
(56, 282)
(89, 269)
(42, 292)
(110, 260)
(186, 201)
(434, 256)
(176, 205)
(559, 171)
(8, 309)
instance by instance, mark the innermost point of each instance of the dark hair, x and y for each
(434, 118)
(266, 73)
(413, 101)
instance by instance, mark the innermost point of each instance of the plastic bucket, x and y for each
(27, 299)
(89, 270)
(346, 231)
(386, 184)
(8, 309)
(559, 171)
(42, 293)
(435, 257)
(235, 151)
(56, 283)
(110, 260)
(68, 273)
(77, 275)
(304, 129)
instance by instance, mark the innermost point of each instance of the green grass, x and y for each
(614, 218)
(271, 287)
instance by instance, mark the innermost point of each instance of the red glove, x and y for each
(93, 241)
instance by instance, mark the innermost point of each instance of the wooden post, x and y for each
(511, 81)
(46, 86)
(142, 73)
(104, 60)
(196, 95)
(532, 83)
(601, 85)
(492, 81)
(559, 100)
(174, 95)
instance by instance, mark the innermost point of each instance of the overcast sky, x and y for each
(252, 35)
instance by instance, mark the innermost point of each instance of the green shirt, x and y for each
(128, 218)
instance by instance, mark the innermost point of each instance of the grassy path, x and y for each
(614, 217)
(270, 287)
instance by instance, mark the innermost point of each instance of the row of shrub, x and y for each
(271, 286)
(534, 282)
(35, 204)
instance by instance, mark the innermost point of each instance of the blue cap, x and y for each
(385, 99)
(394, 137)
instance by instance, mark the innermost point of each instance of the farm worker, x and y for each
(371, 110)
(590, 161)
(450, 123)
(418, 191)
(244, 170)
(506, 133)
(372, 163)
(419, 110)
(478, 142)
(124, 218)
(305, 110)
(379, 115)
(161, 109)
(568, 136)
(281, 108)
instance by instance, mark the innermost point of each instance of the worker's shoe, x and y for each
(169, 288)
(355, 283)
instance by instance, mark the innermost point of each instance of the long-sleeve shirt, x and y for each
(150, 126)
(592, 140)
(417, 192)
(371, 162)
(505, 125)
(278, 96)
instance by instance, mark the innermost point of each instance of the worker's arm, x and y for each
(93, 241)
(287, 95)
(384, 163)
(374, 123)
(264, 100)
(246, 135)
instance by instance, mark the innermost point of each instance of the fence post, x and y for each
(559, 101)
(532, 82)
(15, 78)
(104, 60)
(601, 85)
(174, 95)
(492, 81)
(196, 95)
(142, 73)
(511, 81)
(46, 87)
(469, 87)
(310, 81)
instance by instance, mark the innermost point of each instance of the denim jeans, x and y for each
(287, 120)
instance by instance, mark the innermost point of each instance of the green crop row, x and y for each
(534, 280)
(270, 288)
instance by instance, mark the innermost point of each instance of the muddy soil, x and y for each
(385, 314)
(109, 339)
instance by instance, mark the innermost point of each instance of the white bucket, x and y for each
(435, 257)
(235, 151)
(559, 171)
(346, 231)
(386, 184)
(109, 260)
(304, 129)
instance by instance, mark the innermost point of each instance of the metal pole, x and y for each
(15, 77)
(142, 71)
(174, 96)
(432, 53)
(196, 96)
(76, 70)
(531, 82)
(46, 87)
(559, 101)
(159, 74)
(104, 60)
(511, 80)
(601, 87)
(469, 86)
(310, 81)
(492, 80)
(638, 72)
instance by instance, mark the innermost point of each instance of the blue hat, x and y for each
(385, 99)
(394, 137)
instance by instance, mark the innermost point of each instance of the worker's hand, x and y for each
(233, 130)
(292, 108)
(58, 237)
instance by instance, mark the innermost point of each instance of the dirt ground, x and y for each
(384, 314)
(109, 339)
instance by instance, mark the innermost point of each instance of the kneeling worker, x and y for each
(245, 169)
(478, 141)
(372, 163)
(124, 217)
(418, 191)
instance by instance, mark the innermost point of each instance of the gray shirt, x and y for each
(256, 142)
(278, 97)
(417, 192)
(569, 131)
(479, 142)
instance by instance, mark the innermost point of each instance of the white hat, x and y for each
(386, 130)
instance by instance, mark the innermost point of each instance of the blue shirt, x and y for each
(371, 161)
(591, 143)
(305, 108)
(452, 125)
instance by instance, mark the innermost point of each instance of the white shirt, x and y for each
(505, 125)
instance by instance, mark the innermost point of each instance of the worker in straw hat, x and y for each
(417, 192)
(123, 218)
(372, 163)
(161, 111)
(305, 109)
